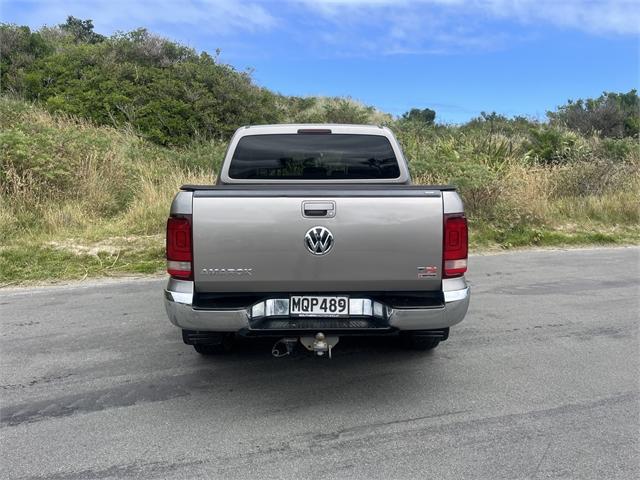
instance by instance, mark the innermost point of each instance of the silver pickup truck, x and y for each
(313, 232)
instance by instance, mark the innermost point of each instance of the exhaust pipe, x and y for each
(283, 347)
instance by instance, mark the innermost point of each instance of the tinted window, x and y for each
(313, 157)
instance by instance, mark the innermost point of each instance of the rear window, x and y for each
(313, 157)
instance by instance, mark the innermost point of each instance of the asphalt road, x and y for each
(540, 381)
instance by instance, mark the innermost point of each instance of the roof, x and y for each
(294, 127)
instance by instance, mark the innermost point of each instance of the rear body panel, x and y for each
(253, 240)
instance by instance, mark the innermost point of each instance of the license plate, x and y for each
(307, 306)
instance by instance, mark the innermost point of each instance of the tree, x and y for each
(425, 115)
(81, 30)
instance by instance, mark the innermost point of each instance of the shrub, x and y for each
(425, 115)
(331, 110)
(551, 146)
(618, 149)
(610, 115)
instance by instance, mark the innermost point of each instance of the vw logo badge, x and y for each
(318, 240)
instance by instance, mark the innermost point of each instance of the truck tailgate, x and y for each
(254, 240)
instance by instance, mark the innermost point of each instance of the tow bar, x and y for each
(320, 345)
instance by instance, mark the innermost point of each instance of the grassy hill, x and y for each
(81, 200)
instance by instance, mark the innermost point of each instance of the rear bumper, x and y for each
(178, 302)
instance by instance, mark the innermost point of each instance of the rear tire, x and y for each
(419, 342)
(212, 349)
(209, 343)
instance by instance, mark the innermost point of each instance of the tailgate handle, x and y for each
(319, 209)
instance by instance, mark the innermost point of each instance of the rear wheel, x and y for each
(415, 342)
(424, 340)
(224, 347)
(209, 343)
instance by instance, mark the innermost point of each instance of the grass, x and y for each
(28, 263)
(80, 201)
(485, 237)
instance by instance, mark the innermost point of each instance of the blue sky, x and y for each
(459, 57)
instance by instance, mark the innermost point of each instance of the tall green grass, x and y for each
(79, 200)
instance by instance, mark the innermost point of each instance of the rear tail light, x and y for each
(455, 246)
(179, 251)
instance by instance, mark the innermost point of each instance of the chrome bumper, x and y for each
(178, 299)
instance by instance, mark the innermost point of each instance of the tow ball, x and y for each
(321, 345)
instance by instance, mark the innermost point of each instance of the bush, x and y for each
(495, 124)
(454, 158)
(19, 49)
(331, 110)
(614, 115)
(424, 115)
(552, 146)
(618, 149)
(596, 177)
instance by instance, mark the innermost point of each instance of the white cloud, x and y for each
(347, 27)
(596, 16)
(449, 26)
(219, 16)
